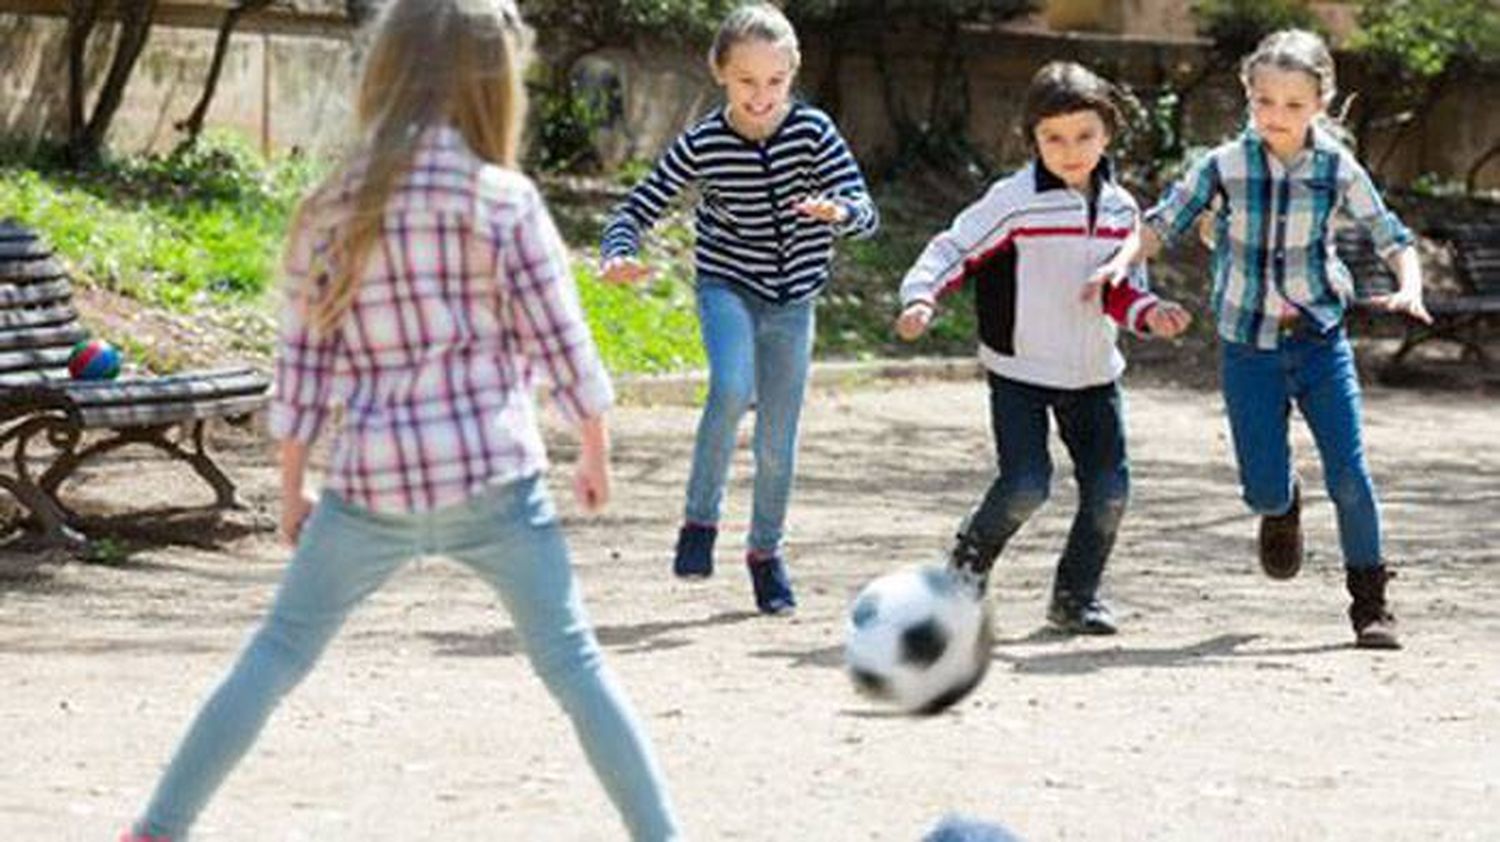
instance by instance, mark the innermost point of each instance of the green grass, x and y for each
(203, 231)
(173, 232)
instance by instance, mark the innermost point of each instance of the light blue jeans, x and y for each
(510, 536)
(1317, 373)
(758, 351)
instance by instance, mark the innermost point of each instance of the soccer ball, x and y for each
(918, 638)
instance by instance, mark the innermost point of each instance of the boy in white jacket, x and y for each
(1049, 250)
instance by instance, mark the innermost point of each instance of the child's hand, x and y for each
(821, 209)
(591, 476)
(294, 511)
(624, 270)
(591, 483)
(913, 321)
(1167, 319)
(1111, 274)
(1404, 302)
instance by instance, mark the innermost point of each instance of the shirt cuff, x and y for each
(584, 399)
(302, 424)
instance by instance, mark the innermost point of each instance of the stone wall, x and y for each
(278, 89)
(284, 88)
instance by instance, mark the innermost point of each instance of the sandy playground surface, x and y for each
(1231, 707)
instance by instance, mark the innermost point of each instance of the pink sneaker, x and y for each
(132, 836)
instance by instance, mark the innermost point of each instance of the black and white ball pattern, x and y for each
(918, 639)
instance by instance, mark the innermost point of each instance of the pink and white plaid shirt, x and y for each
(466, 298)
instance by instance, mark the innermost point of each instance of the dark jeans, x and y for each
(1092, 425)
(1316, 372)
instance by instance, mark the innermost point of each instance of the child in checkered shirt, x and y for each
(428, 284)
(1280, 295)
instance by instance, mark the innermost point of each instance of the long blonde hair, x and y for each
(432, 62)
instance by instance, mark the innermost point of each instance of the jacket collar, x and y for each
(1048, 180)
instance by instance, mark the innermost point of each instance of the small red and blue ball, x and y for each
(94, 359)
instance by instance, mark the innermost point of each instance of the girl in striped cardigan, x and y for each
(777, 184)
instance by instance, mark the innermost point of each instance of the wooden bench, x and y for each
(1462, 318)
(1475, 312)
(39, 401)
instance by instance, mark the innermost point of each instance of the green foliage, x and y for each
(563, 134)
(164, 229)
(652, 328)
(967, 10)
(1236, 26)
(1422, 39)
(617, 22)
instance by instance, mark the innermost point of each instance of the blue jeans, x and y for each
(1091, 422)
(757, 351)
(510, 536)
(1317, 372)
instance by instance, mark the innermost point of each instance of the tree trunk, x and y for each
(193, 125)
(85, 141)
(82, 15)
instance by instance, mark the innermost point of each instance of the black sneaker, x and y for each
(1281, 540)
(694, 557)
(773, 587)
(1089, 616)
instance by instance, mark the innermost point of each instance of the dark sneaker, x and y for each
(1090, 616)
(1281, 540)
(971, 563)
(1374, 624)
(694, 558)
(773, 588)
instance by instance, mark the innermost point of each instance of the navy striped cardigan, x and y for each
(746, 229)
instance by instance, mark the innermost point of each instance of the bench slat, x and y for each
(23, 338)
(32, 377)
(188, 386)
(31, 271)
(1463, 304)
(17, 295)
(37, 358)
(145, 414)
(13, 230)
(24, 250)
(16, 317)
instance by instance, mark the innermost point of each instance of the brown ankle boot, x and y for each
(1374, 624)
(1281, 540)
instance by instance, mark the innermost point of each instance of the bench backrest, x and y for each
(1372, 276)
(38, 325)
(1476, 257)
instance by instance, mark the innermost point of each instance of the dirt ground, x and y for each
(1230, 707)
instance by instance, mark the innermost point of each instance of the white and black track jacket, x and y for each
(1029, 246)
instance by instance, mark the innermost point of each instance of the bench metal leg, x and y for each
(156, 436)
(62, 432)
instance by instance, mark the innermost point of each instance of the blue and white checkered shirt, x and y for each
(1273, 235)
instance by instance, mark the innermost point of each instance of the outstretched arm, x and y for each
(640, 210)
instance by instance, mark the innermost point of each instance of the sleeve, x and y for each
(1128, 303)
(304, 361)
(1361, 202)
(1185, 200)
(648, 200)
(544, 311)
(839, 178)
(943, 264)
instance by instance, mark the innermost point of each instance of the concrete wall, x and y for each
(663, 90)
(279, 90)
(285, 88)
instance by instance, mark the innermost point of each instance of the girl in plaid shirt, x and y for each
(428, 284)
(1280, 295)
